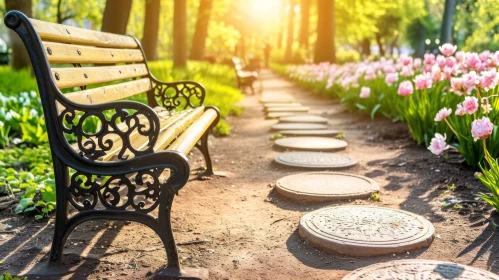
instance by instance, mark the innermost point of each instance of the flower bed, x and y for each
(438, 94)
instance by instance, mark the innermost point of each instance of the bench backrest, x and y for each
(238, 63)
(80, 57)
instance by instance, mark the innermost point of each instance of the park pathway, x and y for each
(239, 227)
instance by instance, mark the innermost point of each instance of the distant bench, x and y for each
(245, 78)
(121, 171)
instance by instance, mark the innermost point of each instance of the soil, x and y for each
(238, 228)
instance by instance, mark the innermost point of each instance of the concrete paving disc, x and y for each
(284, 114)
(315, 160)
(298, 126)
(311, 143)
(321, 133)
(287, 109)
(365, 230)
(268, 105)
(325, 186)
(303, 119)
(420, 269)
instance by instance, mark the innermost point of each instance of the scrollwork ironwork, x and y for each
(179, 95)
(117, 122)
(140, 191)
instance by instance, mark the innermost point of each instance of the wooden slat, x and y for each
(110, 93)
(66, 53)
(75, 77)
(191, 136)
(74, 35)
(169, 134)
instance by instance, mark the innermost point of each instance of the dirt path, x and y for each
(250, 232)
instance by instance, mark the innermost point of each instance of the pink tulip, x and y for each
(470, 105)
(441, 61)
(365, 92)
(436, 73)
(481, 128)
(484, 56)
(460, 110)
(447, 49)
(423, 81)
(489, 79)
(457, 85)
(429, 59)
(450, 61)
(389, 69)
(391, 78)
(438, 145)
(473, 61)
(442, 114)
(470, 81)
(417, 62)
(406, 71)
(405, 88)
(459, 56)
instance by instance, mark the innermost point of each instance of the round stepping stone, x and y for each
(287, 109)
(321, 133)
(311, 143)
(325, 186)
(315, 160)
(365, 230)
(298, 126)
(420, 269)
(304, 119)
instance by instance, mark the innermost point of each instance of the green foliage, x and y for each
(490, 179)
(14, 82)
(8, 276)
(27, 173)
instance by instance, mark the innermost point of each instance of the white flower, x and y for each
(33, 113)
(8, 116)
(32, 93)
(1, 124)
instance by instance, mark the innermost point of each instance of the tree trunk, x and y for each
(447, 22)
(20, 57)
(421, 46)
(288, 56)
(280, 33)
(180, 33)
(201, 31)
(304, 24)
(151, 29)
(324, 48)
(380, 45)
(366, 47)
(116, 14)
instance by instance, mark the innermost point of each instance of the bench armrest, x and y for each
(179, 94)
(114, 121)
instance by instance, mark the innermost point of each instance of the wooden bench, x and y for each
(136, 160)
(245, 78)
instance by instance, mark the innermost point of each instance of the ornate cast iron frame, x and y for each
(91, 183)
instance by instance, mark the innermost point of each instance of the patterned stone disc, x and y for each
(322, 133)
(325, 186)
(365, 230)
(420, 269)
(304, 119)
(287, 109)
(284, 114)
(315, 160)
(298, 126)
(311, 143)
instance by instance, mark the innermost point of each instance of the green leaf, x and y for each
(375, 109)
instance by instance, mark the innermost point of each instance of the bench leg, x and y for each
(203, 147)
